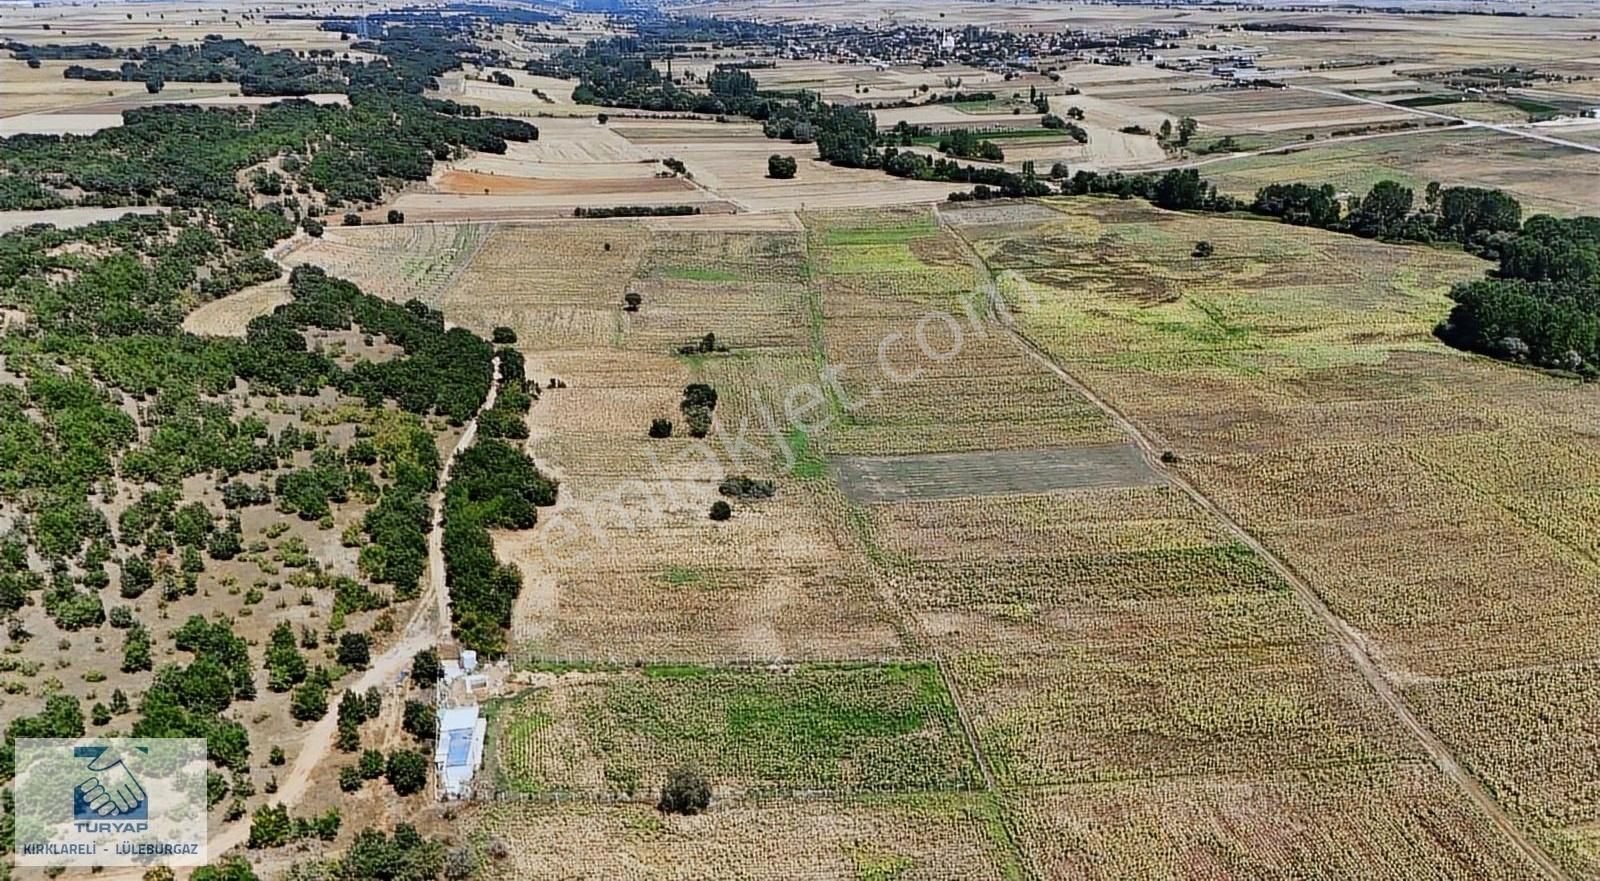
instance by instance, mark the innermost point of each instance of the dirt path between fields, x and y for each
(1349, 638)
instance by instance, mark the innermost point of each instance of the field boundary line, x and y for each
(1349, 638)
(906, 619)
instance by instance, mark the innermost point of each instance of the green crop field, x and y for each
(820, 727)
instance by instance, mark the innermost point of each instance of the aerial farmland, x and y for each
(732, 439)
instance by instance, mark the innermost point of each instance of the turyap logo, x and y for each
(111, 792)
(110, 801)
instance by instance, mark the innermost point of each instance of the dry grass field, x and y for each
(915, 838)
(1545, 177)
(1397, 477)
(1318, 824)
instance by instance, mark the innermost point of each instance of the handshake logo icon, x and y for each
(109, 791)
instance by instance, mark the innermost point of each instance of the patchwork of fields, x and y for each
(976, 631)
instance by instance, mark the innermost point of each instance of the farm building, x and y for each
(460, 749)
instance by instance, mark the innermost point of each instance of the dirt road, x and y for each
(1348, 637)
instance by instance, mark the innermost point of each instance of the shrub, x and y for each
(1202, 249)
(781, 167)
(721, 510)
(352, 219)
(371, 765)
(660, 428)
(745, 487)
(349, 778)
(503, 336)
(686, 792)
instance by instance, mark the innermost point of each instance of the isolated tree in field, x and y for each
(503, 336)
(781, 167)
(1202, 249)
(1165, 132)
(407, 771)
(426, 670)
(660, 428)
(631, 301)
(396, 216)
(686, 792)
(721, 510)
(1186, 129)
(352, 219)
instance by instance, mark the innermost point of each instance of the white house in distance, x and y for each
(459, 750)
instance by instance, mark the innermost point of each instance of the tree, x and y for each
(137, 577)
(660, 428)
(1382, 212)
(371, 764)
(426, 670)
(503, 336)
(154, 85)
(631, 301)
(270, 826)
(374, 856)
(313, 227)
(349, 778)
(721, 510)
(420, 720)
(355, 650)
(407, 771)
(1202, 249)
(352, 219)
(1165, 132)
(286, 667)
(309, 701)
(136, 650)
(685, 792)
(781, 167)
(1187, 126)
(396, 216)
